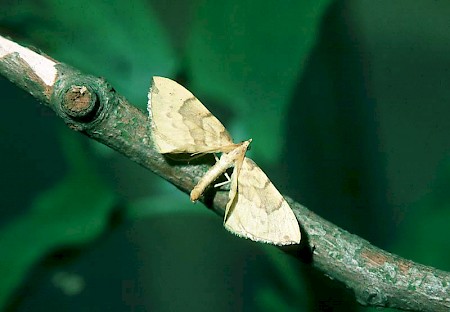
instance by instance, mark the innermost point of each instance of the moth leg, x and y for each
(228, 181)
(193, 156)
(228, 178)
(224, 182)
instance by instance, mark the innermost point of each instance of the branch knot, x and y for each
(81, 100)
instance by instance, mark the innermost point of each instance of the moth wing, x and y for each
(180, 122)
(256, 210)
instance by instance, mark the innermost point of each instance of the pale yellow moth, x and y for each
(181, 124)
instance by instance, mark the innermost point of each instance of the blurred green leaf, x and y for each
(420, 235)
(121, 40)
(250, 54)
(272, 300)
(73, 212)
(166, 202)
(293, 295)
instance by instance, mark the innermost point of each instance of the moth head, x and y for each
(247, 144)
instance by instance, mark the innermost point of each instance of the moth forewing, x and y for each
(181, 123)
(258, 211)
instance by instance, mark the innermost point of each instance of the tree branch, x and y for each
(90, 105)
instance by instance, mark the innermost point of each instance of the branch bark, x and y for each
(90, 105)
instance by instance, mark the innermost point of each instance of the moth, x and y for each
(181, 124)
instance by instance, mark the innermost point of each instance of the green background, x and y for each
(347, 103)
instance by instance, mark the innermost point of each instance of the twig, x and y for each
(89, 105)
